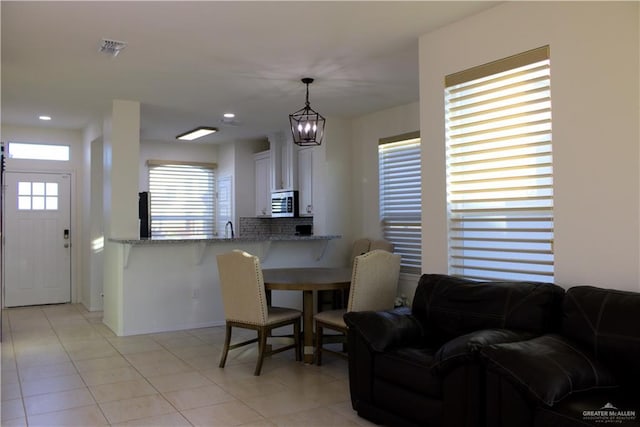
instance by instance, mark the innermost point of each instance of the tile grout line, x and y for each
(144, 377)
(73, 362)
(15, 364)
(202, 338)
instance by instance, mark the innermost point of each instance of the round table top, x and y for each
(310, 278)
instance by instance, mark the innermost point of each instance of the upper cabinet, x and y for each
(285, 166)
(305, 181)
(282, 161)
(263, 183)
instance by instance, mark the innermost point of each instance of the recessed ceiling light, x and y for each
(196, 133)
(44, 117)
(229, 115)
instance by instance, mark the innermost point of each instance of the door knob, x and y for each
(66, 245)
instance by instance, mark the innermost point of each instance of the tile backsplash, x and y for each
(251, 226)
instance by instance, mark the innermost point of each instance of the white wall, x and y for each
(365, 207)
(94, 226)
(367, 131)
(92, 234)
(331, 188)
(595, 113)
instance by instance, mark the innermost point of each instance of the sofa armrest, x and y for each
(381, 330)
(465, 348)
(547, 368)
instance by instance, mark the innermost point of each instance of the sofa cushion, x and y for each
(449, 306)
(606, 322)
(465, 348)
(386, 329)
(548, 367)
(409, 368)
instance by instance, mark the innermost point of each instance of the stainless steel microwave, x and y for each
(284, 204)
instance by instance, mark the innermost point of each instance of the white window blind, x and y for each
(499, 170)
(400, 198)
(182, 200)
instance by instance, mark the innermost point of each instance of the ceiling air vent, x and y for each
(112, 47)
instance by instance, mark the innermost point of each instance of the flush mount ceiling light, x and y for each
(196, 133)
(111, 47)
(307, 126)
(45, 118)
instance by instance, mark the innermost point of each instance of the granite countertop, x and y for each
(249, 239)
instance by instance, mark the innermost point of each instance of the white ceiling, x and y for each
(189, 62)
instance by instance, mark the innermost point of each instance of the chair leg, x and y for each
(262, 346)
(296, 339)
(318, 344)
(225, 350)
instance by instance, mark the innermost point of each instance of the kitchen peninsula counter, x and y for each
(158, 285)
(239, 239)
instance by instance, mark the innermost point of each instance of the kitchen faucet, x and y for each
(229, 223)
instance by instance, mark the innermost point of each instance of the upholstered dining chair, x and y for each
(245, 306)
(385, 245)
(337, 299)
(374, 284)
(359, 247)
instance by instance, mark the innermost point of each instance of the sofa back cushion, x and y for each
(450, 306)
(606, 323)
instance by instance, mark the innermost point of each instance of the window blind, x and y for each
(182, 200)
(500, 171)
(400, 198)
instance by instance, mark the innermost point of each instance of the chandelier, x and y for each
(307, 126)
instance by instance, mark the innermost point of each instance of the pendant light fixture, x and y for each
(307, 126)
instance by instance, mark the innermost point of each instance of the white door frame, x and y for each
(75, 232)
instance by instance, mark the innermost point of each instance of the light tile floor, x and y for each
(62, 366)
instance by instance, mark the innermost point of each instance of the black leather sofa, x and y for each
(587, 374)
(421, 367)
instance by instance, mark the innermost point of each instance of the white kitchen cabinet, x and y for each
(288, 173)
(305, 181)
(263, 183)
(282, 161)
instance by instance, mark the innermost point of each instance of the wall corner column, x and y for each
(121, 171)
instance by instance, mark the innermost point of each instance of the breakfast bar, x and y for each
(159, 285)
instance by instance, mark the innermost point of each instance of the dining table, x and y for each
(307, 280)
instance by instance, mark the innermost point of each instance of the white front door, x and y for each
(37, 243)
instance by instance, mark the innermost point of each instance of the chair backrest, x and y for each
(385, 245)
(360, 246)
(242, 285)
(374, 281)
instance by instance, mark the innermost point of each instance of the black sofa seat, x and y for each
(588, 374)
(420, 366)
